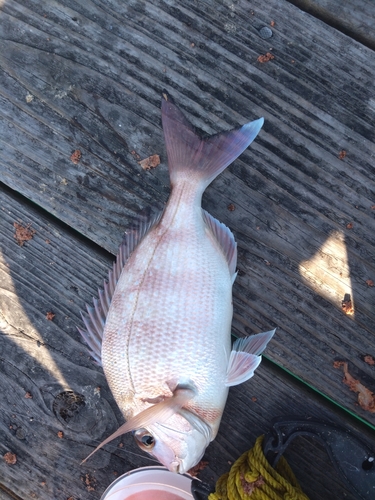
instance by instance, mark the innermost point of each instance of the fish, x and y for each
(161, 327)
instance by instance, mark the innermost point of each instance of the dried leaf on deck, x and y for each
(265, 57)
(366, 398)
(10, 458)
(90, 482)
(76, 156)
(23, 233)
(150, 162)
(338, 364)
(347, 305)
(369, 360)
(194, 471)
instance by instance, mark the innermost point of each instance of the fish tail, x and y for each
(190, 156)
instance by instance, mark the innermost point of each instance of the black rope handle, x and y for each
(352, 458)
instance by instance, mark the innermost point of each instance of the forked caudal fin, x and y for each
(159, 412)
(245, 357)
(204, 159)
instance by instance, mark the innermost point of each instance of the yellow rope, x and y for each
(252, 478)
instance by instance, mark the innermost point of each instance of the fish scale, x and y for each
(163, 335)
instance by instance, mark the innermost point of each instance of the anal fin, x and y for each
(245, 357)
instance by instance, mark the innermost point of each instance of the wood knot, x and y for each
(68, 404)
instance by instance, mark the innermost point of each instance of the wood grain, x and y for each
(88, 75)
(42, 361)
(354, 19)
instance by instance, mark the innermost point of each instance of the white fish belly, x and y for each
(170, 319)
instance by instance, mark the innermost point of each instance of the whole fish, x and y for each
(161, 328)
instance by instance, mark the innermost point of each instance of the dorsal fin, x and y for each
(225, 238)
(95, 317)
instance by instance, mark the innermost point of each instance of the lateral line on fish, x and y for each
(96, 316)
(142, 281)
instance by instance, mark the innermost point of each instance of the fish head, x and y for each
(179, 443)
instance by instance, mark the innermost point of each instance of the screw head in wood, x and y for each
(265, 32)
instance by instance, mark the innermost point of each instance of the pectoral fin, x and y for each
(159, 412)
(245, 357)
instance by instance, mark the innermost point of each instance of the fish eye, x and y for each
(145, 440)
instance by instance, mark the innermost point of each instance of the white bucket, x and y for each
(150, 483)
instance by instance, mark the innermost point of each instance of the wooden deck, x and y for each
(87, 76)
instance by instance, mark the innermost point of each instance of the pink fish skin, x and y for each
(167, 310)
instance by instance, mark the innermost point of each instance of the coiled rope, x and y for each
(251, 477)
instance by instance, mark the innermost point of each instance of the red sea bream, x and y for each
(162, 325)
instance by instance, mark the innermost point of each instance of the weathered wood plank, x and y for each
(57, 271)
(95, 71)
(355, 19)
(6, 495)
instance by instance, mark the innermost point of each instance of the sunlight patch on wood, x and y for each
(16, 325)
(328, 271)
